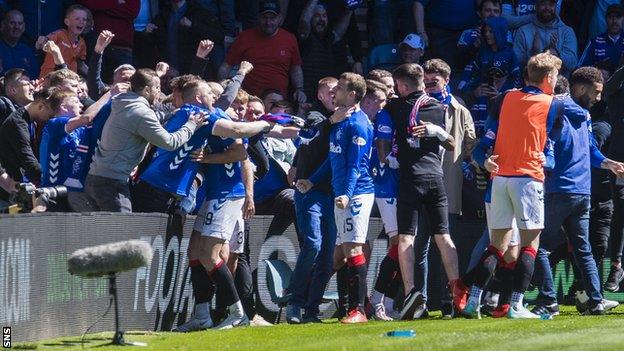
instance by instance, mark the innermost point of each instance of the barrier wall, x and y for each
(39, 299)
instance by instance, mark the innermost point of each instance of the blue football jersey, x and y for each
(384, 177)
(222, 180)
(350, 145)
(64, 156)
(174, 171)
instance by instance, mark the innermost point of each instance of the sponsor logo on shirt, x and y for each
(335, 148)
(359, 141)
(384, 129)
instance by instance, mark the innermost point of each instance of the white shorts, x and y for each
(515, 233)
(521, 198)
(223, 219)
(388, 211)
(352, 222)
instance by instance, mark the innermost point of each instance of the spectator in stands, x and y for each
(70, 41)
(495, 69)
(179, 28)
(608, 46)
(143, 53)
(18, 92)
(17, 137)
(273, 52)
(440, 23)
(546, 33)
(41, 17)
(271, 96)
(131, 126)
(470, 40)
(391, 18)
(116, 17)
(13, 52)
(521, 12)
(317, 39)
(121, 74)
(63, 79)
(390, 56)
(597, 23)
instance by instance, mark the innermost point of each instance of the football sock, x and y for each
(357, 280)
(523, 273)
(223, 280)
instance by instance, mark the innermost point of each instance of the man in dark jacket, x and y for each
(178, 29)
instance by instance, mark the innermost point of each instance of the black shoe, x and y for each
(543, 309)
(488, 309)
(412, 300)
(421, 311)
(447, 311)
(615, 278)
(596, 309)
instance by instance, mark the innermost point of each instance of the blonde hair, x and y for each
(541, 65)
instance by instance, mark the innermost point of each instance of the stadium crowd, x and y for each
(415, 110)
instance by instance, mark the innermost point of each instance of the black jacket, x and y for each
(205, 25)
(16, 152)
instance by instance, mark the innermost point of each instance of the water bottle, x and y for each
(402, 333)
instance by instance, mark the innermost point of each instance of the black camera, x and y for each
(27, 193)
(494, 73)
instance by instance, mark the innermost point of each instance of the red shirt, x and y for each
(272, 58)
(116, 17)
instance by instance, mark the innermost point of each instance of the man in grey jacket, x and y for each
(546, 33)
(131, 126)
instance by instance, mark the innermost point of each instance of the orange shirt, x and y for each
(72, 51)
(522, 132)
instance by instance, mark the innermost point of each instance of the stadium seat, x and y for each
(278, 280)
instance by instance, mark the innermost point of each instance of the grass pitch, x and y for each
(566, 332)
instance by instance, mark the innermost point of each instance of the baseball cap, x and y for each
(615, 9)
(414, 41)
(269, 6)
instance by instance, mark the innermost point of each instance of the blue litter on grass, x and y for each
(401, 333)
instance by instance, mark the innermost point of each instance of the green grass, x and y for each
(568, 331)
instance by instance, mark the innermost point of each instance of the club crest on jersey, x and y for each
(334, 148)
(384, 129)
(359, 141)
(356, 207)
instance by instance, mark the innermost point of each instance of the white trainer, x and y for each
(521, 312)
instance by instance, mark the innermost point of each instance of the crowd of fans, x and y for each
(63, 62)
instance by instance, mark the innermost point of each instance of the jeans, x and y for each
(282, 208)
(387, 16)
(109, 195)
(617, 223)
(315, 215)
(572, 212)
(600, 227)
(479, 249)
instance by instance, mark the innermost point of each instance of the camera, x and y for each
(494, 73)
(26, 194)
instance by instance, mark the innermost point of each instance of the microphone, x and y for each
(101, 260)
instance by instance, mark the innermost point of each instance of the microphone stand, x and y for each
(118, 338)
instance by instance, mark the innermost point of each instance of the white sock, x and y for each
(388, 303)
(475, 295)
(202, 310)
(516, 299)
(237, 309)
(376, 298)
